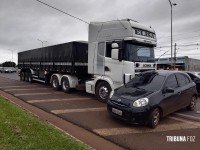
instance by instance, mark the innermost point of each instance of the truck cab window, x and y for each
(108, 50)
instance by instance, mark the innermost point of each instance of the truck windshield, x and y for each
(139, 53)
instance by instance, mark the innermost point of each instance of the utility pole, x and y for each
(171, 4)
(174, 56)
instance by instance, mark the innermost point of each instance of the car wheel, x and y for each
(103, 91)
(193, 103)
(55, 83)
(30, 78)
(26, 76)
(65, 85)
(22, 77)
(154, 118)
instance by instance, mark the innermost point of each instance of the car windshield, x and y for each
(136, 52)
(147, 81)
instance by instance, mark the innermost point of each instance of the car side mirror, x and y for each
(168, 90)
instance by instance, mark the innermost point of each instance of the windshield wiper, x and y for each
(140, 88)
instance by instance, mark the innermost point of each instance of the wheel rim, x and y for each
(103, 92)
(156, 117)
(65, 85)
(193, 102)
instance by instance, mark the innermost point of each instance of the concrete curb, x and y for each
(188, 117)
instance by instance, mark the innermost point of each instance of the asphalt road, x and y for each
(85, 111)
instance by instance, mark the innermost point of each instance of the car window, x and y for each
(171, 82)
(181, 79)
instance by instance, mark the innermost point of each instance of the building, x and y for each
(182, 63)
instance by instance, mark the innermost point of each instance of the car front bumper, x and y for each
(130, 115)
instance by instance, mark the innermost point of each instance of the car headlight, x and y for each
(111, 94)
(141, 102)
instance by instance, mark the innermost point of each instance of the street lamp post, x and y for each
(171, 4)
(42, 42)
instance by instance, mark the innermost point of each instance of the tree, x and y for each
(9, 64)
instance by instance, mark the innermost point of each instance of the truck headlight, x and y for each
(111, 94)
(141, 102)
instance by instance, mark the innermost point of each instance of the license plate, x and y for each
(117, 111)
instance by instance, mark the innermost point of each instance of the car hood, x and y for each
(126, 95)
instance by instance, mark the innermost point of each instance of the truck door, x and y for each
(113, 67)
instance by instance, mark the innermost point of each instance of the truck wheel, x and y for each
(103, 91)
(65, 85)
(55, 83)
(154, 118)
(192, 104)
(26, 76)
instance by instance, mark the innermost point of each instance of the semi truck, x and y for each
(116, 51)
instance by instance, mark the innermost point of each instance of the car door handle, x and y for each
(179, 93)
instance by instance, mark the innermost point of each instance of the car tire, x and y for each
(30, 78)
(65, 85)
(55, 83)
(154, 118)
(192, 104)
(26, 76)
(22, 77)
(102, 91)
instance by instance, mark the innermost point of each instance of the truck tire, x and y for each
(65, 85)
(55, 83)
(102, 91)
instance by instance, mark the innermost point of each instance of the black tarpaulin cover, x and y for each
(66, 52)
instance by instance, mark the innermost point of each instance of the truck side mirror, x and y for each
(115, 45)
(115, 51)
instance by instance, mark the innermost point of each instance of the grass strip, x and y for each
(19, 129)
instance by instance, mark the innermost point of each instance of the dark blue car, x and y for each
(152, 95)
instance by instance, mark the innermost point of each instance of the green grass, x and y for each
(21, 130)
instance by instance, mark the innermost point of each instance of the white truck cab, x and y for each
(118, 50)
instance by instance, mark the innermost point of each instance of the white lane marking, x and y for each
(182, 124)
(24, 94)
(186, 121)
(24, 89)
(57, 100)
(63, 111)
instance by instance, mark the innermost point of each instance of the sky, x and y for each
(25, 23)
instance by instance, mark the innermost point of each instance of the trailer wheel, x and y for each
(103, 91)
(55, 83)
(65, 85)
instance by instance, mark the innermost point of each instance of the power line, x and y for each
(62, 11)
(196, 32)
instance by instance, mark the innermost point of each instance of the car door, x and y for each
(184, 89)
(169, 101)
(196, 80)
